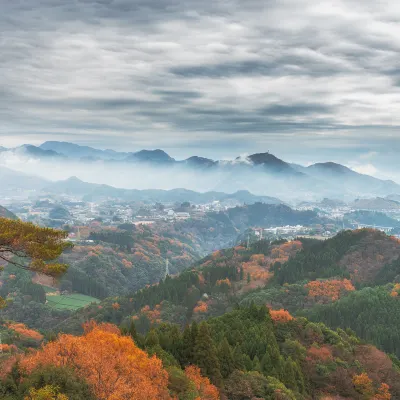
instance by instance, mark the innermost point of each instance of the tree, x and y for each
(206, 390)
(36, 246)
(226, 360)
(363, 385)
(205, 354)
(112, 365)
(383, 393)
(46, 393)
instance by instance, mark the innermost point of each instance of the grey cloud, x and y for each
(196, 73)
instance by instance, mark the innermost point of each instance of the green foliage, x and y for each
(21, 240)
(319, 259)
(58, 377)
(205, 354)
(371, 312)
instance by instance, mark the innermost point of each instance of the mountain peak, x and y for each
(157, 155)
(331, 166)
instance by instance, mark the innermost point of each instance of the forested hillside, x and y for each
(201, 331)
(245, 354)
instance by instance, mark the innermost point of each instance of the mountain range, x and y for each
(261, 173)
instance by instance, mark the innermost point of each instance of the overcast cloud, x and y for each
(308, 80)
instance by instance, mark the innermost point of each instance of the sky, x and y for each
(308, 80)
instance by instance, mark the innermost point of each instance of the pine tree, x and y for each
(132, 332)
(152, 339)
(257, 364)
(301, 386)
(205, 355)
(187, 346)
(226, 360)
(289, 376)
(267, 367)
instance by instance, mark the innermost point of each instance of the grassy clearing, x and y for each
(70, 301)
(49, 289)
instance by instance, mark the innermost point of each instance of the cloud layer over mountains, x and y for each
(261, 173)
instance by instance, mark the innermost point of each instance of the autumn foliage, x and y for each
(111, 364)
(201, 307)
(332, 289)
(22, 330)
(207, 391)
(281, 315)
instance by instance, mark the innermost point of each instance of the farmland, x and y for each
(71, 301)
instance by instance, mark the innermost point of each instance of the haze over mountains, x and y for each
(263, 174)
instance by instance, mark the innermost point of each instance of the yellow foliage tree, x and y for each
(46, 393)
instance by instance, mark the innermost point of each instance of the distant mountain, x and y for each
(37, 152)
(342, 178)
(271, 163)
(11, 180)
(199, 162)
(4, 213)
(76, 151)
(92, 191)
(378, 203)
(150, 156)
(262, 173)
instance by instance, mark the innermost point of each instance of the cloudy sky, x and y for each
(308, 80)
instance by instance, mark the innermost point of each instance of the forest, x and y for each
(272, 320)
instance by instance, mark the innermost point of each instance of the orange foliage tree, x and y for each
(280, 315)
(207, 391)
(201, 307)
(22, 330)
(383, 393)
(332, 289)
(395, 290)
(111, 364)
(363, 384)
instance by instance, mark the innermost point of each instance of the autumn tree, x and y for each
(113, 366)
(46, 393)
(383, 393)
(206, 390)
(363, 385)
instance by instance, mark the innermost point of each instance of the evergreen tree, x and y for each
(301, 386)
(132, 332)
(152, 339)
(226, 360)
(205, 355)
(289, 376)
(187, 346)
(257, 364)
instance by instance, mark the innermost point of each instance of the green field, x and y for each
(70, 301)
(49, 289)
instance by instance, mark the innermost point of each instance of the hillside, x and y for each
(4, 213)
(96, 192)
(206, 315)
(376, 204)
(245, 354)
(359, 255)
